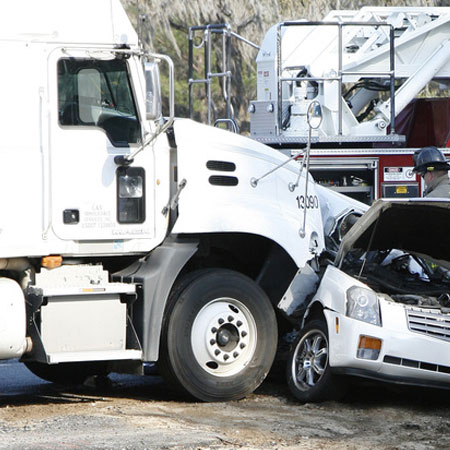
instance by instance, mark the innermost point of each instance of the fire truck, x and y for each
(130, 239)
(381, 75)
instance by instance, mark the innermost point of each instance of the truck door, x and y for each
(97, 118)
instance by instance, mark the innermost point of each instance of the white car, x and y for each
(382, 311)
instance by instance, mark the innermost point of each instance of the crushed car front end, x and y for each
(372, 335)
(382, 310)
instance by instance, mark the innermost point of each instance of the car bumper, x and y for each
(405, 356)
(363, 373)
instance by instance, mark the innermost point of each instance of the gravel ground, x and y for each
(141, 413)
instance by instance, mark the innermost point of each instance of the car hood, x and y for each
(415, 225)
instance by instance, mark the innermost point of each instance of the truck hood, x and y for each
(415, 226)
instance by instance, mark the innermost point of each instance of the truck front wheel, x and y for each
(219, 336)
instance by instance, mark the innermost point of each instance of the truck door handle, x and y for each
(71, 216)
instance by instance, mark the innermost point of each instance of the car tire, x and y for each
(219, 336)
(308, 373)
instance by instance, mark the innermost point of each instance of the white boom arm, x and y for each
(345, 62)
(415, 83)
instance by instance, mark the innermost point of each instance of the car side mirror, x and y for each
(152, 91)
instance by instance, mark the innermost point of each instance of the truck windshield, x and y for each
(98, 93)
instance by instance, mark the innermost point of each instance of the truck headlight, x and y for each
(130, 195)
(130, 186)
(363, 304)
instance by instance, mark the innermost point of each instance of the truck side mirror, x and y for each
(314, 115)
(153, 91)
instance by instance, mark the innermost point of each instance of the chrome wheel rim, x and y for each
(310, 360)
(223, 337)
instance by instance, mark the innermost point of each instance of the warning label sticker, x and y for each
(399, 174)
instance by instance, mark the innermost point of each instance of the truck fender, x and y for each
(12, 320)
(304, 283)
(157, 274)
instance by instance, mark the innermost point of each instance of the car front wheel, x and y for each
(309, 375)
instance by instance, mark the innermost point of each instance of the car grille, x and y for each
(416, 364)
(432, 323)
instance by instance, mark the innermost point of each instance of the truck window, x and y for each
(98, 93)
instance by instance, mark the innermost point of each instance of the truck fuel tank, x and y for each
(12, 319)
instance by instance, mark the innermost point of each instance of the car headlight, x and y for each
(363, 304)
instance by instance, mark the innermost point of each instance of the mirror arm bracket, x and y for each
(123, 160)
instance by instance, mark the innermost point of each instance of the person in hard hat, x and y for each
(430, 163)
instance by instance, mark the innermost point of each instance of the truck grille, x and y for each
(432, 323)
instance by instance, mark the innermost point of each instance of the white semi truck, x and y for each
(128, 239)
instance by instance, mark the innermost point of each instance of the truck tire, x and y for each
(308, 373)
(219, 336)
(66, 373)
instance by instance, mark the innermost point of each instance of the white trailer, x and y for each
(128, 239)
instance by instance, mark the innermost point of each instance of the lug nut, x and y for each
(221, 321)
(242, 345)
(230, 318)
(235, 354)
(212, 341)
(238, 323)
(213, 330)
(244, 333)
(225, 357)
(217, 352)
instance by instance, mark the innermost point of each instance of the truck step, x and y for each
(111, 355)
